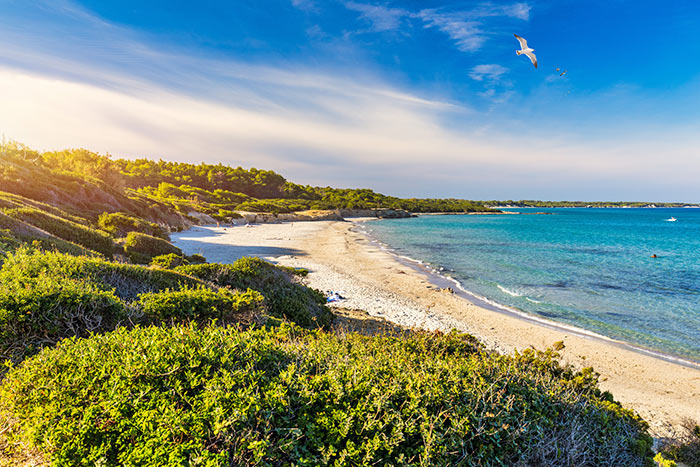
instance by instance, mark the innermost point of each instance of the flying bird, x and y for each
(524, 49)
(562, 73)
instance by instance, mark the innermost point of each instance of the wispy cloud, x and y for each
(467, 34)
(497, 90)
(381, 17)
(490, 72)
(466, 28)
(306, 5)
(514, 10)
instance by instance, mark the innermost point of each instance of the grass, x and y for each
(216, 396)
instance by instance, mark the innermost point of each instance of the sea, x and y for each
(585, 268)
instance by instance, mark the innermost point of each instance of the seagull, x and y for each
(524, 49)
(562, 73)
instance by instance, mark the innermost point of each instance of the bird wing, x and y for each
(563, 72)
(532, 58)
(523, 42)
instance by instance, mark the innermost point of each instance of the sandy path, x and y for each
(371, 279)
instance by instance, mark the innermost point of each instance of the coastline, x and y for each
(443, 281)
(375, 280)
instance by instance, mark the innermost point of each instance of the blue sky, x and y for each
(411, 98)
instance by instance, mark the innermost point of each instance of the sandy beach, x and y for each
(341, 258)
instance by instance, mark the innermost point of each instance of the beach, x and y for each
(341, 258)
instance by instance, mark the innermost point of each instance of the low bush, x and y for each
(217, 396)
(225, 215)
(141, 248)
(171, 261)
(67, 230)
(199, 304)
(43, 310)
(285, 298)
(119, 224)
(196, 259)
(168, 261)
(38, 238)
(126, 281)
(8, 242)
(685, 446)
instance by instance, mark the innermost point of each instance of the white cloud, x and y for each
(467, 34)
(306, 5)
(382, 18)
(465, 27)
(330, 131)
(518, 10)
(490, 72)
(514, 10)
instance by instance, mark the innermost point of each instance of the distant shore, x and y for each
(342, 259)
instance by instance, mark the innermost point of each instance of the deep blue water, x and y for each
(590, 268)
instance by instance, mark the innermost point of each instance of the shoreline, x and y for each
(441, 280)
(374, 279)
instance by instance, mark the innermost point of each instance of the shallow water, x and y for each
(591, 268)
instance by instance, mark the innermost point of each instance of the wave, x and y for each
(441, 273)
(509, 292)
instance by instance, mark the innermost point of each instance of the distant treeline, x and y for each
(530, 203)
(218, 189)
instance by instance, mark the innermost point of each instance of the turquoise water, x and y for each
(590, 268)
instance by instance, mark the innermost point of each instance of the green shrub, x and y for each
(196, 259)
(8, 242)
(171, 261)
(168, 261)
(119, 224)
(141, 248)
(685, 446)
(200, 304)
(225, 215)
(67, 230)
(43, 310)
(127, 281)
(220, 397)
(285, 298)
(27, 233)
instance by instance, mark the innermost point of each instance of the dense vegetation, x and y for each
(119, 224)
(167, 192)
(217, 396)
(188, 363)
(48, 296)
(283, 296)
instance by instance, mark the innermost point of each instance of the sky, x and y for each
(410, 98)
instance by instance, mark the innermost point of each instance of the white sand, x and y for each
(371, 279)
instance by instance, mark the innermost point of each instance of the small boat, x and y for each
(672, 219)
